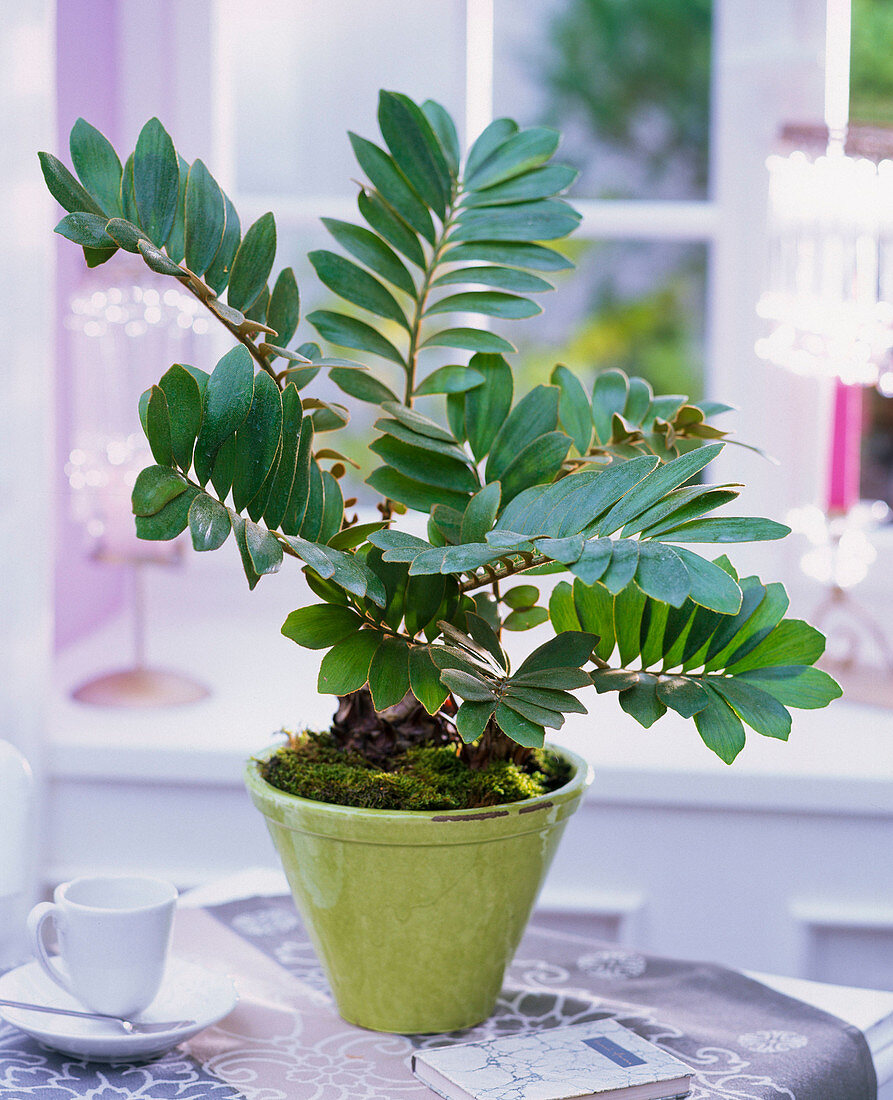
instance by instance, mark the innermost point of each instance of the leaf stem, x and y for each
(419, 312)
(206, 295)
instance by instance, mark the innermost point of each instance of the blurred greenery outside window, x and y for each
(871, 102)
(635, 119)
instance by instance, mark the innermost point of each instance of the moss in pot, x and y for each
(602, 487)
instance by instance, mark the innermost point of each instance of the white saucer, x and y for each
(188, 992)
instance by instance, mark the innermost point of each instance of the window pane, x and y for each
(871, 102)
(637, 305)
(301, 73)
(628, 84)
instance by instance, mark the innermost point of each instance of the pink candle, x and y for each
(846, 439)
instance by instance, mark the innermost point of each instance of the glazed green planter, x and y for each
(416, 914)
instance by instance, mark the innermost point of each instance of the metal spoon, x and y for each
(132, 1027)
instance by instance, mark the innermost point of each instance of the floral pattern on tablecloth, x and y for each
(743, 1041)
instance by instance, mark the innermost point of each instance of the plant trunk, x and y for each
(379, 736)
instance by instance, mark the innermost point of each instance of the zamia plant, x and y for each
(604, 487)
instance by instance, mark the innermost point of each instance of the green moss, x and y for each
(423, 778)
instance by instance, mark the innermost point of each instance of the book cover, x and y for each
(599, 1059)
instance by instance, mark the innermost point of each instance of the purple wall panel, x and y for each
(87, 85)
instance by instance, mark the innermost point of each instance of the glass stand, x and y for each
(140, 685)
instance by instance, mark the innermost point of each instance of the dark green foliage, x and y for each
(723, 670)
(552, 480)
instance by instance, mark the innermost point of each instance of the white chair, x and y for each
(16, 794)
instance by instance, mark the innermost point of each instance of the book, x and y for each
(599, 1059)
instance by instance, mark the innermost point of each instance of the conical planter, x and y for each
(415, 915)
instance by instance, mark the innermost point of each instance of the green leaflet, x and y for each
(502, 278)
(641, 702)
(85, 229)
(170, 521)
(487, 142)
(728, 529)
(389, 673)
(521, 152)
(791, 642)
(205, 217)
(300, 488)
(424, 680)
(391, 226)
(176, 241)
(546, 220)
(445, 130)
(608, 398)
(156, 181)
(257, 441)
(355, 285)
(487, 406)
(157, 260)
(345, 667)
(348, 332)
(209, 523)
(312, 522)
(623, 566)
(421, 424)
(472, 719)
(332, 509)
(519, 728)
(662, 574)
(533, 416)
(538, 462)
(264, 551)
(710, 586)
(225, 404)
(569, 649)
(412, 493)
(64, 188)
(480, 513)
(373, 252)
(184, 403)
(158, 427)
(795, 685)
(574, 410)
(538, 183)
(320, 626)
(519, 253)
(681, 694)
(154, 488)
(253, 263)
(651, 489)
(415, 149)
(525, 618)
(470, 339)
(362, 385)
(218, 273)
(284, 310)
(426, 466)
(98, 166)
(393, 186)
(451, 379)
(491, 303)
(754, 706)
(720, 728)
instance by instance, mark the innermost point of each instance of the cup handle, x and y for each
(36, 920)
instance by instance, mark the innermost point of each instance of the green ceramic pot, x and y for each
(416, 914)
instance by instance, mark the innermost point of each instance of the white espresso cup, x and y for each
(113, 932)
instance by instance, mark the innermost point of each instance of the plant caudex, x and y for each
(601, 486)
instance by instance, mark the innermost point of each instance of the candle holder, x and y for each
(120, 330)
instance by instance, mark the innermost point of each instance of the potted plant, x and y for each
(415, 911)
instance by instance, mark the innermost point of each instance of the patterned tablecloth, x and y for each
(285, 1041)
